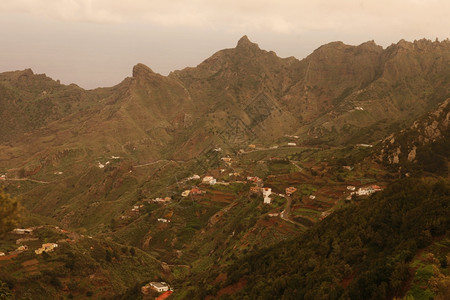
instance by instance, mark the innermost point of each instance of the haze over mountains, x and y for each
(337, 94)
(82, 159)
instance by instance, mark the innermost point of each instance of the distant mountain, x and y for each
(338, 94)
(32, 101)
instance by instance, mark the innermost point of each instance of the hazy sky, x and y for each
(96, 42)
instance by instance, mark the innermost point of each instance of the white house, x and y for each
(22, 248)
(185, 193)
(159, 286)
(162, 200)
(193, 177)
(163, 220)
(22, 231)
(292, 144)
(209, 180)
(266, 193)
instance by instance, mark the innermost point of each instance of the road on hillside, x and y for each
(279, 148)
(26, 179)
(285, 213)
(150, 163)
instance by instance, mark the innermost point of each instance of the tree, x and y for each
(9, 212)
(5, 292)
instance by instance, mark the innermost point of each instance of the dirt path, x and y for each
(295, 164)
(150, 163)
(26, 179)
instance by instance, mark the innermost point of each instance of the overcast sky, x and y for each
(96, 42)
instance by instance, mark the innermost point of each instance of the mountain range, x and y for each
(343, 116)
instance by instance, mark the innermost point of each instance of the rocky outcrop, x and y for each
(403, 146)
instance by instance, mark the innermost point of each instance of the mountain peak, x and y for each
(245, 43)
(140, 70)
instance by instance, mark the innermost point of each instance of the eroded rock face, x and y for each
(412, 154)
(403, 146)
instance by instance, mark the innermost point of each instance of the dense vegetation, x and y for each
(359, 252)
(9, 212)
(80, 268)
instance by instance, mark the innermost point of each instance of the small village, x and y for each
(308, 197)
(27, 240)
(298, 193)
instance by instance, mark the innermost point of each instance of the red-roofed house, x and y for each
(164, 295)
(376, 188)
(290, 190)
(196, 191)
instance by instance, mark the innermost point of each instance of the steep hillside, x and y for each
(425, 143)
(30, 101)
(360, 252)
(78, 267)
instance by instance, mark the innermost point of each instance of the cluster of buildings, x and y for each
(47, 247)
(369, 190)
(265, 191)
(101, 166)
(363, 191)
(256, 180)
(136, 208)
(208, 180)
(161, 200)
(28, 233)
(194, 191)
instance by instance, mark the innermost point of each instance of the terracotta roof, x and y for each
(164, 295)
